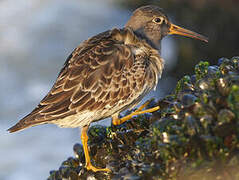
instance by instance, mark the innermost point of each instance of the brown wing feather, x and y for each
(93, 77)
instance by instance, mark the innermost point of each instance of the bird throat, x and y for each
(150, 39)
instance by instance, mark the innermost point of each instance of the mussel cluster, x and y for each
(194, 135)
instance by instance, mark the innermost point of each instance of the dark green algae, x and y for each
(194, 135)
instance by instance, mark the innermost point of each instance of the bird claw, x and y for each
(139, 111)
(93, 168)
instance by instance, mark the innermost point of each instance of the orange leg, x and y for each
(117, 121)
(84, 139)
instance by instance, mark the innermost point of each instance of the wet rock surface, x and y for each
(194, 135)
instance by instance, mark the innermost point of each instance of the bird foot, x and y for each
(93, 168)
(143, 105)
(117, 121)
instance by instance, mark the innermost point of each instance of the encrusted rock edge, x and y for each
(194, 135)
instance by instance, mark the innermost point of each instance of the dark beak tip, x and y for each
(205, 39)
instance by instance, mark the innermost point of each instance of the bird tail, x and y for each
(17, 127)
(26, 122)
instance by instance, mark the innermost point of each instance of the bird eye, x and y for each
(158, 20)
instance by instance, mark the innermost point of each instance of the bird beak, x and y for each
(184, 32)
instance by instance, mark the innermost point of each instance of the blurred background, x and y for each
(37, 36)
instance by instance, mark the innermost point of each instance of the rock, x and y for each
(194, 135)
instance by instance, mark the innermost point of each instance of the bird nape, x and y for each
(107, 74)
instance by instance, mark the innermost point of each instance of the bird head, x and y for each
(152, 24)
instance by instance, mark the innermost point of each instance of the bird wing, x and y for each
(92, 78)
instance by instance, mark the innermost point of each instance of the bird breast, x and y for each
(143, 52)
(154, 64)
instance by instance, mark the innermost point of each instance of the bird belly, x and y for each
(128, 103)
(76, 120)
